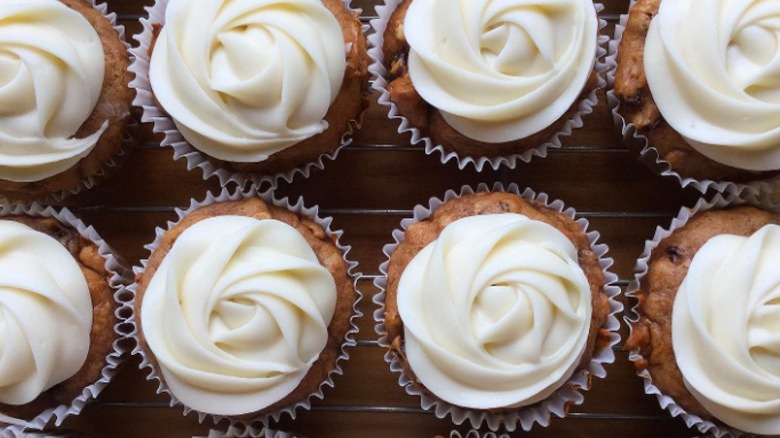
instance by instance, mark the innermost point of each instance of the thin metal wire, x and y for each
(365, 211)
(397, 410)
(123, 208)
(383, 147)
(586, 214)
(363, 18)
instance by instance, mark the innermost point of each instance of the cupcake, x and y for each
(64, 93)
(485, 82)
(694, 83)
(497, 307)
(254, 88)
(59, 318)
(705, 330)
(243, 308)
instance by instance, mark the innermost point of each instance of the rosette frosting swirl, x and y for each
(496, 311)
(500, 70)
(713, 68)
(726, 329)
(236, 313)
(244, 79)
(51, 74)
(45, 313)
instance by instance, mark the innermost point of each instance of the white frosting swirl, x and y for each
(245, 79)
(45, 313)
(713, 68)
(726, 329)
(51, 74)
(236, 313)
(496, 311)
(500, 70)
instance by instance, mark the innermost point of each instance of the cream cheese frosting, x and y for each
(245, 79)
(496, 311)
(500, 70)
(237, 313)
(51, 75)
(713, 67)
(726, 329)
(45, 313)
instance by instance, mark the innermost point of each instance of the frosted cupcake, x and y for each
(705, 329)
(485, 80)
(254, 88)
(243, 308)
(59, 323)
(497, 309)
(64, 96)
(696, 83)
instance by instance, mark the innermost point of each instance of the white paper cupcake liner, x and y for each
(640, 144)
(473, 433)
(55, 434)
(164, 124)
(299, 208)
(748, 196)
(239, 432)
(120, 275)
(379, 73)
(569, 394)
(108, 167)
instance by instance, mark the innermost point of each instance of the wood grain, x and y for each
(371, 186)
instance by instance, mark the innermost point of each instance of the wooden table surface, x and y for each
(374, 183)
